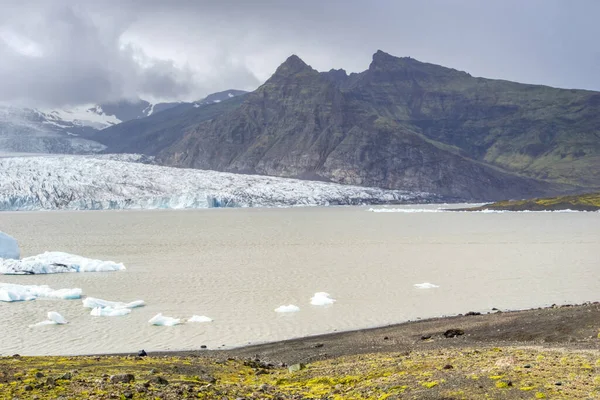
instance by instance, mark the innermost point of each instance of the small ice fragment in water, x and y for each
(13, 292)
(92, 302)
(55, 262)
(57, 318)
(161, 320)
(200, 318)
(321, 299)
(109, 312)
(287, 309)
(43, 323)
(425, 285)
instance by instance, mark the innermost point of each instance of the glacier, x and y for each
(127, 182)
(10, 292)
(9, 248)
(54, 262)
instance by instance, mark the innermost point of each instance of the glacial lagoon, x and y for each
(237, 266)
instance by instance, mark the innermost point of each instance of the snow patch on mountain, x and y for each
(99, 183)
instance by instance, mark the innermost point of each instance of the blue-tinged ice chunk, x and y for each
(9, 248)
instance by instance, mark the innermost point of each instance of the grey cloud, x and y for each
(98, 51)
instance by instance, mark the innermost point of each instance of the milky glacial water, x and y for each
(237, 265)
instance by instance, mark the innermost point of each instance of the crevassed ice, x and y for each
(199, 318)
(71, 183)
(92, 302)
(56, 262)
(161, 320)
(9, 248)
(10, 292)
(321, 299)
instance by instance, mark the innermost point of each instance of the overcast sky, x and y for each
(68, 52)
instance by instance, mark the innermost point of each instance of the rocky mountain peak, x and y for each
(292, 66)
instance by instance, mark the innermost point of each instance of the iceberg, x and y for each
(425, 285)
(10, 292)
(55, 262)
(321, 299)
(161, 320)
(57, 318)
(92, 302)
(9, 248)
(199, 318)
(54, 318)
(287, 309)
(109, 312)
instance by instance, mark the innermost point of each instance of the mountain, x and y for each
(70, 131)
(130, 182)
(161, 129)
(402, 124)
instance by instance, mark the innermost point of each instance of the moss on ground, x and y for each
(494, 373)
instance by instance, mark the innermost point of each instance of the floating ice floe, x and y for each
(92, 302)
(10, 292)
(54, 318)
(199, 318)
(161, 320)
(9, 248)
(425, 285)
(321, 299)
(287, 309)
(56, 262)
(405, 210)
(109, 312)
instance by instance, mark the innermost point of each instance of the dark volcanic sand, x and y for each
(569, 327)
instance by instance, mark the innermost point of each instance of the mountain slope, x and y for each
(363, 129)
(161, 129)
(73, 130)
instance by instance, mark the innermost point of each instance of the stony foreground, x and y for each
(552, 353)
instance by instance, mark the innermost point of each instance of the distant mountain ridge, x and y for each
(403, 124)
(70, 130)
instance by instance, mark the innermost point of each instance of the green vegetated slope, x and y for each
(584, 202)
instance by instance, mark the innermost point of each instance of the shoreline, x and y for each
(478, 327)
(539, 353)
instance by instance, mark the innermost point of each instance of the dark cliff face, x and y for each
(404, 124)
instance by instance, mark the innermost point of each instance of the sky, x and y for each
(71, 52)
